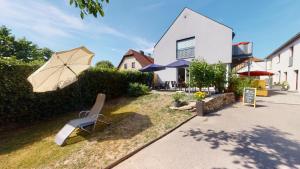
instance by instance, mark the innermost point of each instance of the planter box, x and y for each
(200, 108)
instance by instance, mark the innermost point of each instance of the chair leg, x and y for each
(84, 129)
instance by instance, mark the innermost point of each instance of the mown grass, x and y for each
(135, 121)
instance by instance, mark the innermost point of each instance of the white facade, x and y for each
(130, 63)
(285, 63)
(212, 42)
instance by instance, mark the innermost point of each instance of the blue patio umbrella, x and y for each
(152, 68)
(181, 63)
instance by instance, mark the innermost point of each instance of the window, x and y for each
(133, 65)
(291, 57)
(278, 59)
(185, 48)
(125, 66)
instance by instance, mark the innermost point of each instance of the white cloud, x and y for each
(45, 21)
(42, 18)
(152, 6)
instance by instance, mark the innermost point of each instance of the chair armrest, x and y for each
(83, 113)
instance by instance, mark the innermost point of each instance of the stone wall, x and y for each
(211, 104)
(218, 101)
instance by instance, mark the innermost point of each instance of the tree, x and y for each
(22, 49)
(219, 79)
(201, 73)
(7, 42)
(87, 7)
(105, 64)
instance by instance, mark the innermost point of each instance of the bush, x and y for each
(285, 85)
(206, 75)
(219, 80)
(201, 73)
(18, 104)
(137, 89)
(178, 96)
(237, 84)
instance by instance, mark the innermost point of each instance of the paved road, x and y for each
(236, 137)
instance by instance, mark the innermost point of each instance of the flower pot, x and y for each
(200, 108)
(177, 104)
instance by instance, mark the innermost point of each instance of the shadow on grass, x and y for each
(12, 140)
(123, 126)
(261, 147)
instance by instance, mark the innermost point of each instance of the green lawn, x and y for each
(135, 121)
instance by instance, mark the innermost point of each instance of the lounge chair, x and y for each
(86, 119)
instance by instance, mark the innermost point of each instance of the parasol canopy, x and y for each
(181, 63)
(256, 73)
(61, 70)
(152, 68)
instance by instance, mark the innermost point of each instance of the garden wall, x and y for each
(218, 101)
(19, 105)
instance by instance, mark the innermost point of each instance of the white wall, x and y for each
(128, 60)
(283, 65)
(213, 41)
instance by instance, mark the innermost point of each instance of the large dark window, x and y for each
(185, 48)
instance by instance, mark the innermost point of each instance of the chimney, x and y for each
(142, 52)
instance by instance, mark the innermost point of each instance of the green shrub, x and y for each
(237, 84)
(219, 80)
(137, 89)
(208, 75)
(18, 104)
(178, 96)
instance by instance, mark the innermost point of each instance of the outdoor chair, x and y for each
(86, 119)
(167, 85)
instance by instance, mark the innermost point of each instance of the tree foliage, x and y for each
(94, 7)
(22, 49)
(200, 73)
(105, 64)
(219, 80)
(206, 75)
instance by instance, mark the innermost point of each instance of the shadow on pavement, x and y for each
(261, 147)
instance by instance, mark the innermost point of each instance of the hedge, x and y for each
(19, 105)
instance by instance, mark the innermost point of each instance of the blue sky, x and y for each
(139, 24)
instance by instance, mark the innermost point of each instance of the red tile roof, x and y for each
(142, 59)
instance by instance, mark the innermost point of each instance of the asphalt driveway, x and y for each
(236, 137)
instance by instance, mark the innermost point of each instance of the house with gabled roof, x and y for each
(133, 60)
(192, 36)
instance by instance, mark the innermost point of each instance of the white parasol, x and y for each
(61, 69)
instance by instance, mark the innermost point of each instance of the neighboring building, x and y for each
(192, 36)
(284, 62)
(134, 60)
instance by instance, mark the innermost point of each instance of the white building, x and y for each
(284, 62)
(134, 61)
(192, 36)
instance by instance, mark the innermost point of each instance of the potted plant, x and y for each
(199, 96)
(177, 97)
(285, 86)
